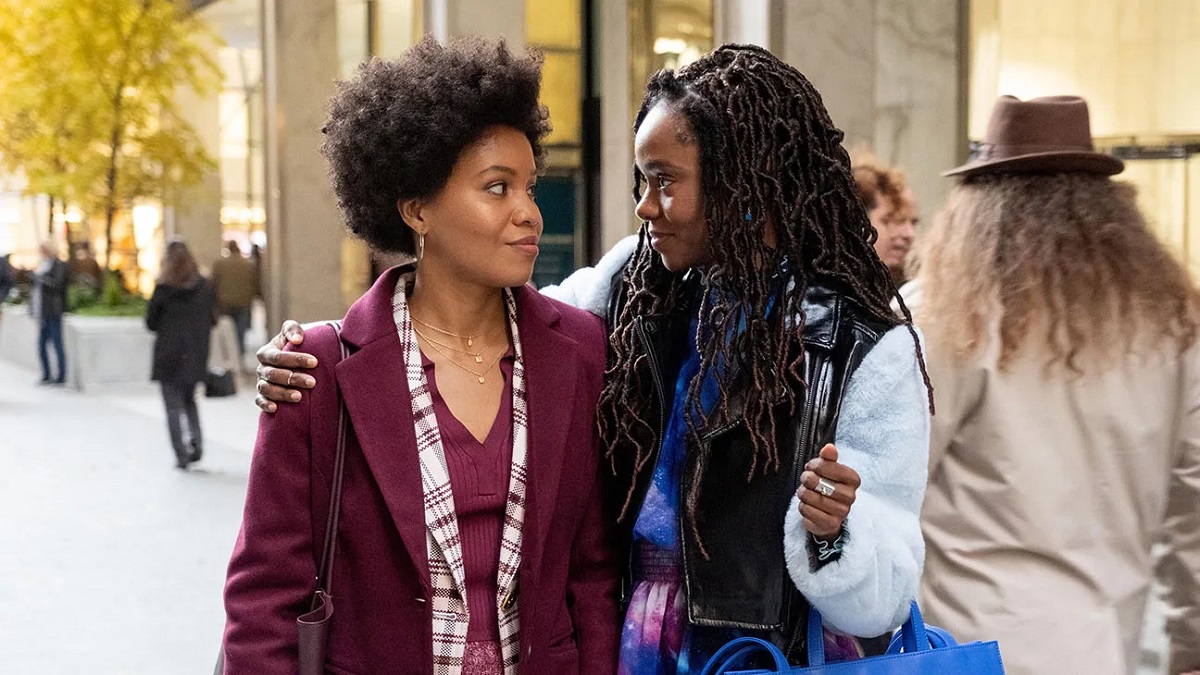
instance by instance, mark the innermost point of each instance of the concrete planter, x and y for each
(102, 352)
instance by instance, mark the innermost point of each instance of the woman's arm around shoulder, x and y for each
(271, 572)
(883, 434)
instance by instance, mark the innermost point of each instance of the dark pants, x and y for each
(241, 321)
(180, 400)
(51, 332)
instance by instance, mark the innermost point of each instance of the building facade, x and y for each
(914, 80)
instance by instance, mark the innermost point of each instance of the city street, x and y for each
(111, 560)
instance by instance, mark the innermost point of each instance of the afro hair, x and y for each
(397, 128)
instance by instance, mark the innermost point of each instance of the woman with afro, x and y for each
(765, 415)
(471, 536)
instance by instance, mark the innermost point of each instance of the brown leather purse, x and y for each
(313, 628)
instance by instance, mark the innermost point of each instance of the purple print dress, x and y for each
(657, 638)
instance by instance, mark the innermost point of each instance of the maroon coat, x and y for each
(570, 620)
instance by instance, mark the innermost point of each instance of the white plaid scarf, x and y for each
(446, 571)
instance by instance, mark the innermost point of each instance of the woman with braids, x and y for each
(1062, 337)
(764, 415)
(473, 538)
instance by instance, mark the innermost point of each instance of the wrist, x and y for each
(827, 547)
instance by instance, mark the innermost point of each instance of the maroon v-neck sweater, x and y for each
(479, 475)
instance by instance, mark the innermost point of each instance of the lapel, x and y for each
(376, 394)
(373, 385)
(551, 367)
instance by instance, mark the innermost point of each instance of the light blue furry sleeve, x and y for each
(883, 434)
(588, 287)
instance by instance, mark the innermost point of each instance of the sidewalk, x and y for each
(111, 560)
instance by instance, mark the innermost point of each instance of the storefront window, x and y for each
(666, 34)
(556, 28)
(241, 147)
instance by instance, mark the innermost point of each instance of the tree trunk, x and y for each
(110, 183)
(118, 101)
(50, 218)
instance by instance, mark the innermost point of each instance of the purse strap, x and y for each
(329, 547)
(736, 651)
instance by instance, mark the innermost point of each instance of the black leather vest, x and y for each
(744, 583)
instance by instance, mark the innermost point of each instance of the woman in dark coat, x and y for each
(181, 313)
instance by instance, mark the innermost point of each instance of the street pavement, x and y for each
(111, 560)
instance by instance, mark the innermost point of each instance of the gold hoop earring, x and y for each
(420, 246)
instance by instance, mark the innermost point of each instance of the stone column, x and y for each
(195, 213)
(892, 74)
(833, 44)
(745, 22)
(305, 237)
(616, 126)
(493, 18)
(921, 93)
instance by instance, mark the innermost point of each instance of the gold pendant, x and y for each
(480, 379)
(478, 358)
(470, 342)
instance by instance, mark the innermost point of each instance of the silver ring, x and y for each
(824, 487)
(289, 380)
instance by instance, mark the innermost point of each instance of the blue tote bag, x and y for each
(916, 650)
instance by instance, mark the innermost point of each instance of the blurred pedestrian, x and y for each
(85, 269)
(48, 304)
(1062, 345)
(892, 209)
(7, 279)
(236, 280)
(181, 313)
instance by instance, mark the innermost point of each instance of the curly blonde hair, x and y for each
(1063, 266)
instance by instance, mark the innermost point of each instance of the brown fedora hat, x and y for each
(1041, 136)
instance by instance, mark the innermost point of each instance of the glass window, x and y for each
(556, 27)
(561, 92)
(1134, 62)
(665, 34)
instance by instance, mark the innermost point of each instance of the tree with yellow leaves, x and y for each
(87, 98)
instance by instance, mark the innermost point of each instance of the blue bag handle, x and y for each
(914, 636)
(735, 651)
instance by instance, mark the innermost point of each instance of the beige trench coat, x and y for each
(1045, 498)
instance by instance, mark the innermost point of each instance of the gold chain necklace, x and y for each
(478, 375)
(469, 338)
(478, 356)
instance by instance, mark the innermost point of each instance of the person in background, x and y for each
(892, 208)
(181, 313)
(1062, 342)
(7, 277)
(48, 304)
(84, 268)
(236, 279)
